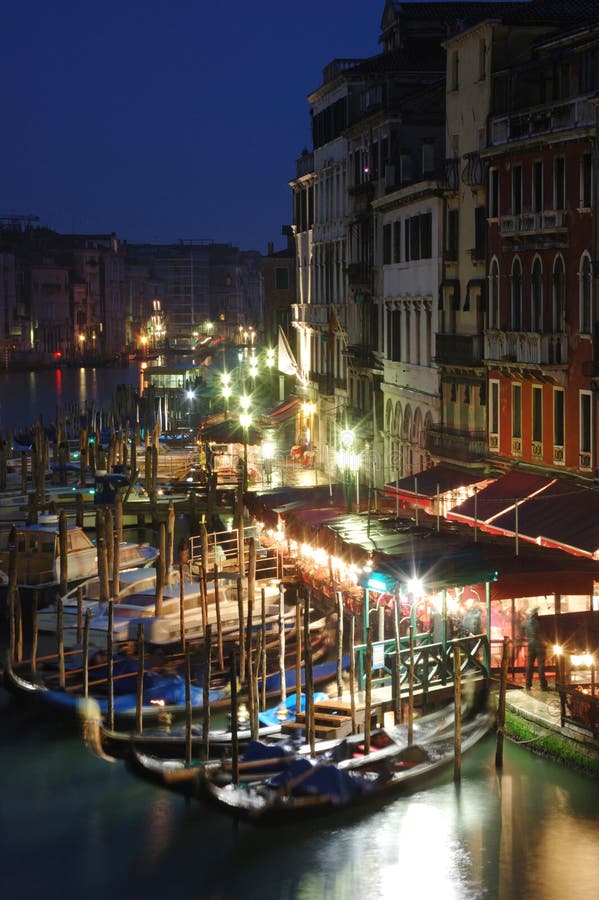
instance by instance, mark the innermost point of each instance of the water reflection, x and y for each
(92, 830)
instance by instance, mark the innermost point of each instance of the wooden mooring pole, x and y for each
(505, 658)
(457, 699)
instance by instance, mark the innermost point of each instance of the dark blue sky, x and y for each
(166, 120)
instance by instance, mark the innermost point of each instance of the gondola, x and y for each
(310, 788)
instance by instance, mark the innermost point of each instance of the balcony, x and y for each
(538, 120)
(526, 348)
(458, 349)
(316, 314)
(534, 223)
(451, 444)
(360, 274)
(474, 172)
(452, 174)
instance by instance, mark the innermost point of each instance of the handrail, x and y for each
(434, 664)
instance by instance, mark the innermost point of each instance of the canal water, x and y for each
(73, 825)
(26, 395)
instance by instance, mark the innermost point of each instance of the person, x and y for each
(536, 649)
(473, 620)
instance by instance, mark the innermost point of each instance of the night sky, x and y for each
(165, 121)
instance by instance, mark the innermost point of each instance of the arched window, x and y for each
(536, 297)
(517, 295)
(494, 296)
(586, 295)
(559, 296)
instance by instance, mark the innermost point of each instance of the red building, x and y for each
(540, 317)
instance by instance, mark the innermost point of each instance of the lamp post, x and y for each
(245, 420)
(270, 362)
(268, 452)
(191, 397)
(227, 390)
(349, 463)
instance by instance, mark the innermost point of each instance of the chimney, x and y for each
(271, 248)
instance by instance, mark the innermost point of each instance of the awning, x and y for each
(283, 412)
(550, 512)
(421, 489)
(498, 497)
(231, 432)
(565, 515)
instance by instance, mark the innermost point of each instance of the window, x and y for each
(516, 410)
(494, 296)
(453, 220)
(397, 241)
(558, 418)
(537, 414)
(559, 183)
(517, 190)
(418, 237)
(480, 232)
(559, 296)
(493, 193)
(281, 279)
(516, 295)
(537, 186)
(536, 297)
(585, 427)
(386, 245)
(586, 180)
(428, 157)
(586, 306)
(494, 415)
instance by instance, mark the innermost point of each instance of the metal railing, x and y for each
(434, 664)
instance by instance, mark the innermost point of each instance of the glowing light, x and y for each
(347, 438)
(414, 587)
(244, 401)
(245, 420)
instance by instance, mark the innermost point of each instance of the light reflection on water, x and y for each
(69, 818)
(24, 396)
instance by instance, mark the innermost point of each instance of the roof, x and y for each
(283, 411)
(498, 497)
(424, 485)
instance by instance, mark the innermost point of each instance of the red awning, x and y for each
(283, 412)
(499, 497)
(424, 486)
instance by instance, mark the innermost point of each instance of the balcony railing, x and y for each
(458, 349)
(360, 274)
(449, 443)
(578, 113)
(316, 313)
(529, 347)
(533, 223)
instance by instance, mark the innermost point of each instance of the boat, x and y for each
(164, 693)
(15, 505)
(38, 553)
(163, 686)
(135, 605)
(307, 788)
(270, 753)
(169, 743)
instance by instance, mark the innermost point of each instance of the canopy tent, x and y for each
(551, 512)
(498, 497)
(230, 431)
(564, 515)
(283, 412)
(423, 488)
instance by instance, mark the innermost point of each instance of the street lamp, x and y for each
(191, 397)
(227, 391)
(308, 409)
(349, 463)
(245, 420)
(268, 452)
